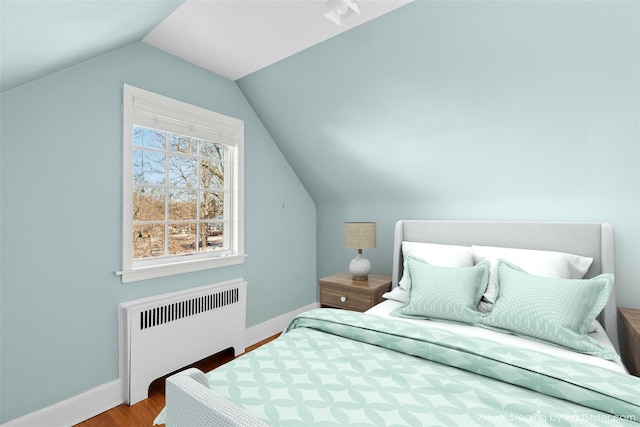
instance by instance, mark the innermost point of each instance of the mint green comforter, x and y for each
(335, 367)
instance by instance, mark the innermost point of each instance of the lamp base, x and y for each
(359, 267)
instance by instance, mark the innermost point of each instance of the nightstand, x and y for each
(340, 291)
(630, 320)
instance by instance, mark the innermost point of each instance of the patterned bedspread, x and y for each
(335, 367)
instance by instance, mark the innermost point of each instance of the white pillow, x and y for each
(434, 254)
(535, 262)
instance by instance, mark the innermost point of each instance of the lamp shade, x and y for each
(359, 235)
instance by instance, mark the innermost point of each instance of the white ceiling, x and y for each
(236, 38)
(229, 37)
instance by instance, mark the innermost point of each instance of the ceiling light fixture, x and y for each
(337, 11)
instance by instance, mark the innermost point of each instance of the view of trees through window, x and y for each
(178, 195)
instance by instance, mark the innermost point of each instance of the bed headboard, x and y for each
(593, 240)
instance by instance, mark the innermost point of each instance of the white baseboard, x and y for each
(106, 396)
(264, 330)
(75, 409)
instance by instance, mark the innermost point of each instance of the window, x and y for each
(182, 187)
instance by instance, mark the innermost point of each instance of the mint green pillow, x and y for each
(444, 293)
(557, 311)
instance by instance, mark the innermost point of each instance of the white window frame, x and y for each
(148, 109)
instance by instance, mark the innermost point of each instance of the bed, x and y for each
(449, 346)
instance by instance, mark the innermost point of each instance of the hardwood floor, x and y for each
(143, 413)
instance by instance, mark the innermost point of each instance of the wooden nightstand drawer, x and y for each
(340, 291)
(343, 298)
(630, 324)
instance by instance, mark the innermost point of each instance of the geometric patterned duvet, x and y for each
(336, 367)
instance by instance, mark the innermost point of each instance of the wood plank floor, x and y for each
(143, 413)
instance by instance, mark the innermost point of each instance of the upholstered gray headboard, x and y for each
(594, 240)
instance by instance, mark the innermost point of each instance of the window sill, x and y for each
(156, 271)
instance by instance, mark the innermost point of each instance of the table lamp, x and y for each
(359, 235)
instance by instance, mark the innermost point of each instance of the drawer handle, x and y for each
(343, 299)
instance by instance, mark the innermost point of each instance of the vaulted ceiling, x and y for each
(233, 38)
(429, 101)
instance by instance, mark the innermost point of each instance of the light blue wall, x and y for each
(61, 146)
(474, 110)
(41, 37)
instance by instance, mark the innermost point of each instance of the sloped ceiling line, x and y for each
(230, 38)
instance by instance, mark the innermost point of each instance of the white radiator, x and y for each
(161, 334)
